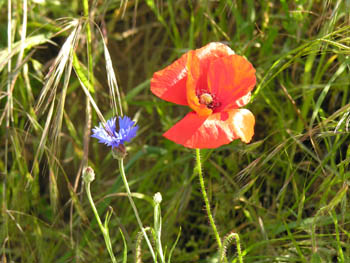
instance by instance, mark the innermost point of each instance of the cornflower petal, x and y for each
(127, 129)
(113, 137)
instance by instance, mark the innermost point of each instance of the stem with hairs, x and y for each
(206, 200)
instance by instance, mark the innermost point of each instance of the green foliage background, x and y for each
(285, 193)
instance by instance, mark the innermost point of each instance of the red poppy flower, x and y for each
(214, 83)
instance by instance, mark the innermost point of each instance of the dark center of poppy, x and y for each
(208, 99)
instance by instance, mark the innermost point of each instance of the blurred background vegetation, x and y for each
(285, 193)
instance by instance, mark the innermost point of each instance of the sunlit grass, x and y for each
(285, 193)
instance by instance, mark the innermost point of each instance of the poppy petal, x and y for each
(205, 56)
(242, 122)
(230, 78)
(170, 83)
(242, 101)
(194, 80)
(195, 131)
(213, 50)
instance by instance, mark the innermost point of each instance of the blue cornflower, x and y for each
(112, 136)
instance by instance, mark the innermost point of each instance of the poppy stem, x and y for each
(122, 172)
(206, 200)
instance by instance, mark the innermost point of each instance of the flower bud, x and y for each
(157, 198)
(88, 175)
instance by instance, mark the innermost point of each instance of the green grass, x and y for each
(285, 193)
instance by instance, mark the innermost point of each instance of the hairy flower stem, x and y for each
(122, 172)
(239, 251)
(206, 200)
(227, 241)
(104, 230)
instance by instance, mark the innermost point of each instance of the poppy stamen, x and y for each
(208, 100)
(205, 99)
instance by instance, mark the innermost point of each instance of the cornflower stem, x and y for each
(206, 200)
(104, 229)
(122, 172)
